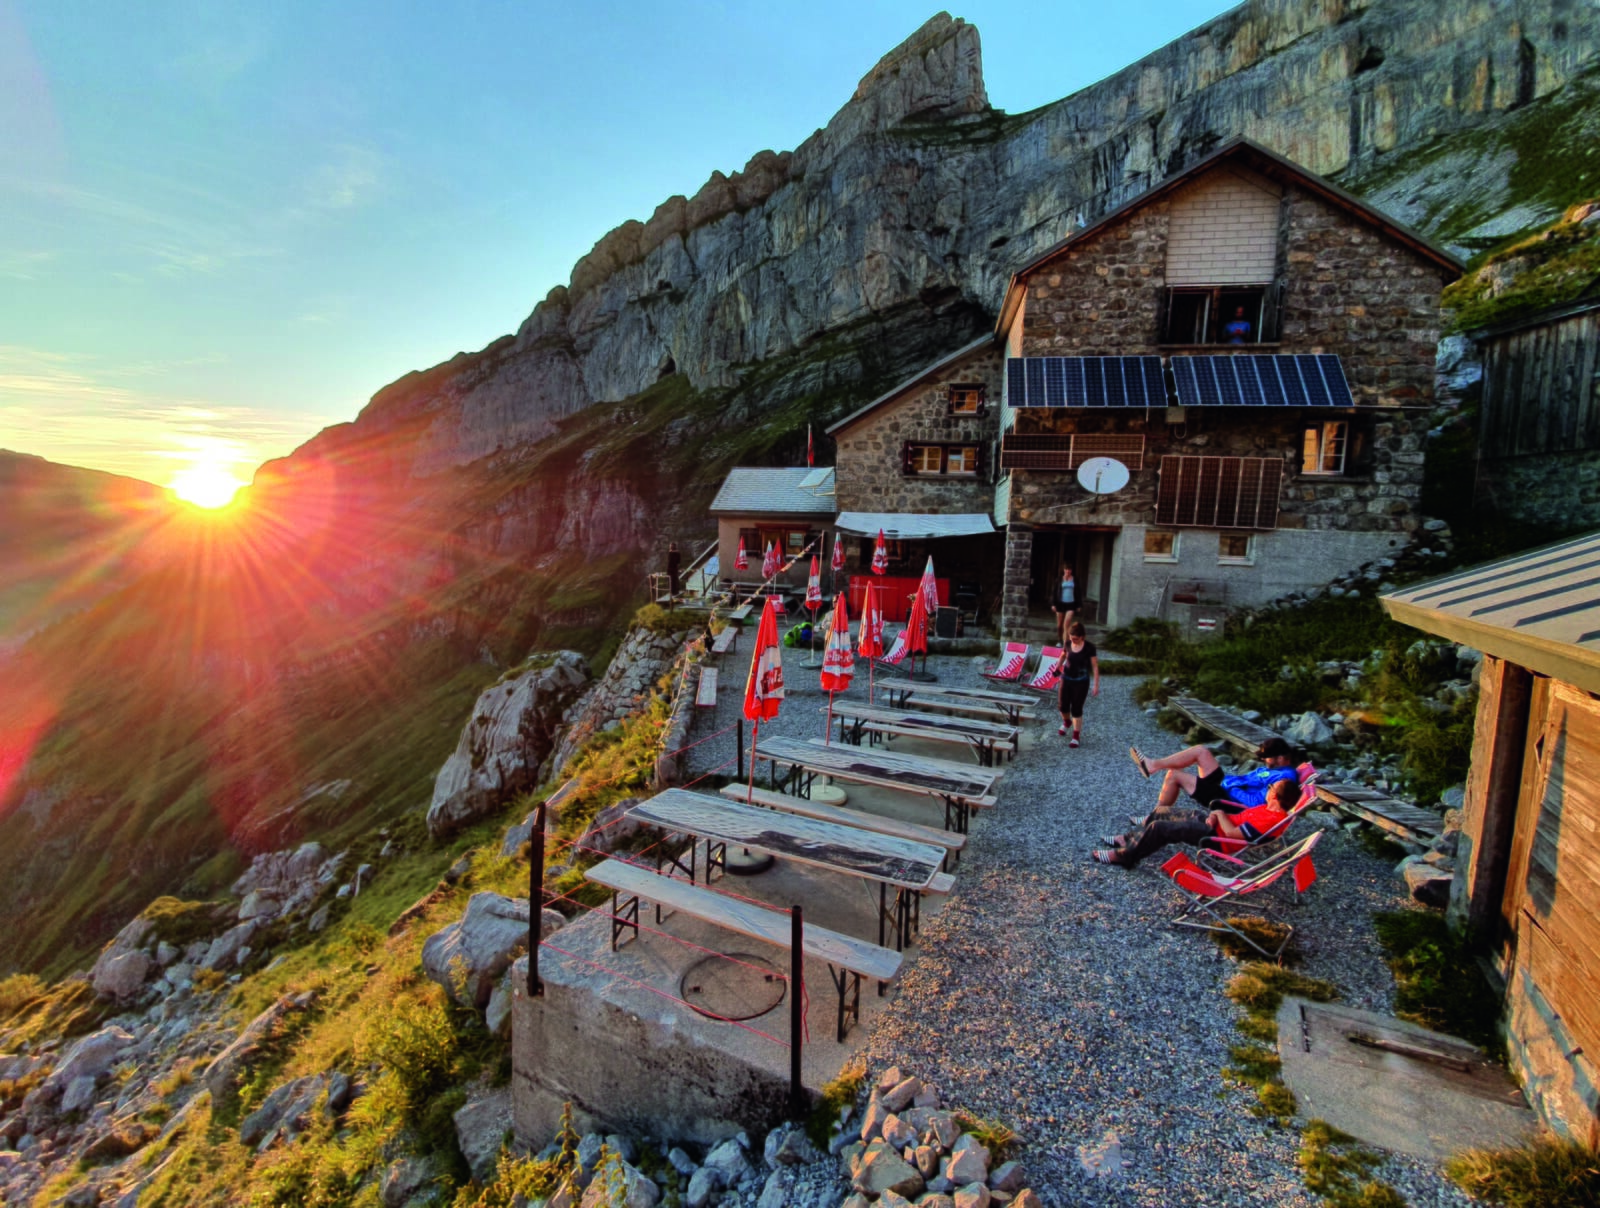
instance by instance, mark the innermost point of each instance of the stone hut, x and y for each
(1527, 881)
(786, 507)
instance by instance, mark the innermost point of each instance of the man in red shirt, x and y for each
(1191, 826)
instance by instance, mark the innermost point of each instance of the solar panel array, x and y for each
(1086, 382)
(1219, 492)
(1302, 380)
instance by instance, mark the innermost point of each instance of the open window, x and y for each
(967, 398)
(1221, 314)
(946, 461)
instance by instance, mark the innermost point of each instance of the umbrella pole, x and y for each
(827, 726)
(755, 735)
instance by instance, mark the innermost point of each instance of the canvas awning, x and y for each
(914, 526)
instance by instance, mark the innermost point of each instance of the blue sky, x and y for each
(226, 225)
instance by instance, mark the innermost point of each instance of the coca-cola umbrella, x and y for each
(880, 556)
(871, 644)
(763, 695)
(813, 602)
(770, 562)
(740, 560)
(838, 660)
(917, 624)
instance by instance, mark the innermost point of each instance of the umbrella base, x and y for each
(743, 862)
(828, 794)
(922, 677)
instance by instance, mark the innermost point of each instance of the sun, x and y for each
(206, 486)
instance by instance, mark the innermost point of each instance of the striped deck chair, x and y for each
(896, 654)
(1212, 896)
(1012, 659)
(1232, 854)
(1047, 676)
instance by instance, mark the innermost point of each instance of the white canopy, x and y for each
(914, 526)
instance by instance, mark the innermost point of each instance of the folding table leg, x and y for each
(848, 985)
(623, 918)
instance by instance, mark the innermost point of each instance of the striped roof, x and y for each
(776, 491)
(1540, 610)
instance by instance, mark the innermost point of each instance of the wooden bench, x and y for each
(726, 640)
(888, 729)
(848, 959)
(954, 765)
(740, 614)
(1406, 822)
(876, 823)
(1243, 735)
(705, 696)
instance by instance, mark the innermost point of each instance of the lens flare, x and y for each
(205, 486)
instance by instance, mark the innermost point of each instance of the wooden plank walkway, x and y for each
(1245, 735)
(1400, 818)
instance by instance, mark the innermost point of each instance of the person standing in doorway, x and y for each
(1080, 679)
(1065, 602)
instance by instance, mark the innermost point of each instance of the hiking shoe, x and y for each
(1074, 741)
(1062, 730)
(1138, 762)
(1105, 857)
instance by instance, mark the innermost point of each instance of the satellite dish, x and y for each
(1102, 475)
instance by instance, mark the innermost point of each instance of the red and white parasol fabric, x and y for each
(769, 561)
(917, 623)
(838, 553)
(838, 660)
(763, 691)
(929, 587)
(740, 560)
(880, 556)
(814, 586)
(871, 643)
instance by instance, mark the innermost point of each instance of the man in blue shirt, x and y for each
(1237, 329)
(1195, 771)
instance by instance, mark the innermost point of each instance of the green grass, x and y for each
(1438, 982)
(1546, 1173)
(1340, 1170)
(837, 1093)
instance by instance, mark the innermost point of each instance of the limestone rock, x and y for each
(405, 1178)
(968, 1161)
(122, 976)
(703, 1185)
(1008, 1176)
(224, 950)
(257, 905)
(283, 1110)
(512, 729)
(468, 956)
(78, 1094)
(942, 1130)
(1309, 730)
(898, 1132)
(91, 1057)
(730, 1162)
(872, 1121)
(497, 1015)
(221, 1076)
(619, 1185)
(900, 1097)
(1026, 1199)
(973, 1195)
(481, 1128)
(882, 1169)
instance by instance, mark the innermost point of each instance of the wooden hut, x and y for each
(1528, 867)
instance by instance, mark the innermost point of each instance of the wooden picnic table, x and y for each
(908, 866)
(960, 787)
(982, 702)
(984, 737)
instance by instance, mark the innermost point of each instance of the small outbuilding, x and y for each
(1527, 878)
(787, 507)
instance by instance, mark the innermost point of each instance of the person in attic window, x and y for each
(1237, 329)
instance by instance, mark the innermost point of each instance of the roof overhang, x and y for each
(1540, 610)
(915, 526)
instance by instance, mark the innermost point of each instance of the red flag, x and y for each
(838, 660)
(763, 691)
(880, 556)
(814, 586)
(811, 450)
(838, 552)
(871, 645)
(740, 561)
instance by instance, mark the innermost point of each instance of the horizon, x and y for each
(227, 231)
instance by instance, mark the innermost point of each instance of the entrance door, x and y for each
(1091, 553)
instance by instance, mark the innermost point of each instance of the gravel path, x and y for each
(1050, 993)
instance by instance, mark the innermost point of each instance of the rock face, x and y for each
(468, 956)
(512, 730)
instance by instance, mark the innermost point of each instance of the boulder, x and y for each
(224, 950)
(78, 1094)
(468, 956)
(283, 1111)
(704, 1185)
(1008, 1176)
(122, 976)
(497, 1015)
(405, 1178)
(513, 727)
(788, 1145)
(481, 1128)
(221, 1076)
(619, 1185)
(730, 1161)
(257, 905)
(973, 1195)
(968, 1162)
(126, 942)
(119, 1141)
(1429, 884)
(882, 1169)
(1309, 730)
(91, 1057)
(900, 1097)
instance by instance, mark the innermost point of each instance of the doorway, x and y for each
(1091, 552)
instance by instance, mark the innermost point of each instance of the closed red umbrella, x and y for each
(763, 691)
(917, 625)
(740, 561)
(838, 660)
(769, 561)
(871, 644)
(838, 552)
(814, 586)
(880, 556)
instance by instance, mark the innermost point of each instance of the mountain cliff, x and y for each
(508, 498)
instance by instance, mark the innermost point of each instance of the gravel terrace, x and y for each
(1051, 993)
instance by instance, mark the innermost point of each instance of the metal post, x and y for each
(535, 900)
(797, 1099)
(738, 731)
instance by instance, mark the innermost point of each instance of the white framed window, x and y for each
(1160, 545)
(1325, 446)
(966, 399)
(1236, 549)
(926, 459)
(961, 459)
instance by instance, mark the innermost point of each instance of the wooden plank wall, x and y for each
(1552, 896)
(1540, 389)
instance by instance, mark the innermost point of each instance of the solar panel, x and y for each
(816, 477)
(1086, 382)
(1298, 380)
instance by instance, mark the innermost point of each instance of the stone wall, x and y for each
(870, 474)
(1561, 490)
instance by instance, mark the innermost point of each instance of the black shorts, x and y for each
(1208, 788)
(1073, 694)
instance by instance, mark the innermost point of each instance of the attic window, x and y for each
(967, 398)
(1230, 314)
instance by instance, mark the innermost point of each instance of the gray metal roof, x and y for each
(777, 491)
(1540, 610)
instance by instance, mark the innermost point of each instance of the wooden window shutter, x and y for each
(1219, 492)
(905, 459)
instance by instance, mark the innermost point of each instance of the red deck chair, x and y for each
(1012, 659)
(1047, 676)
(1237, 852)
(1211, 896)
(896, 653)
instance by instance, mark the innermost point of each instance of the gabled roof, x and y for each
(1269, 164)
(777, 491)
(1540, 610)
(921, 376)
